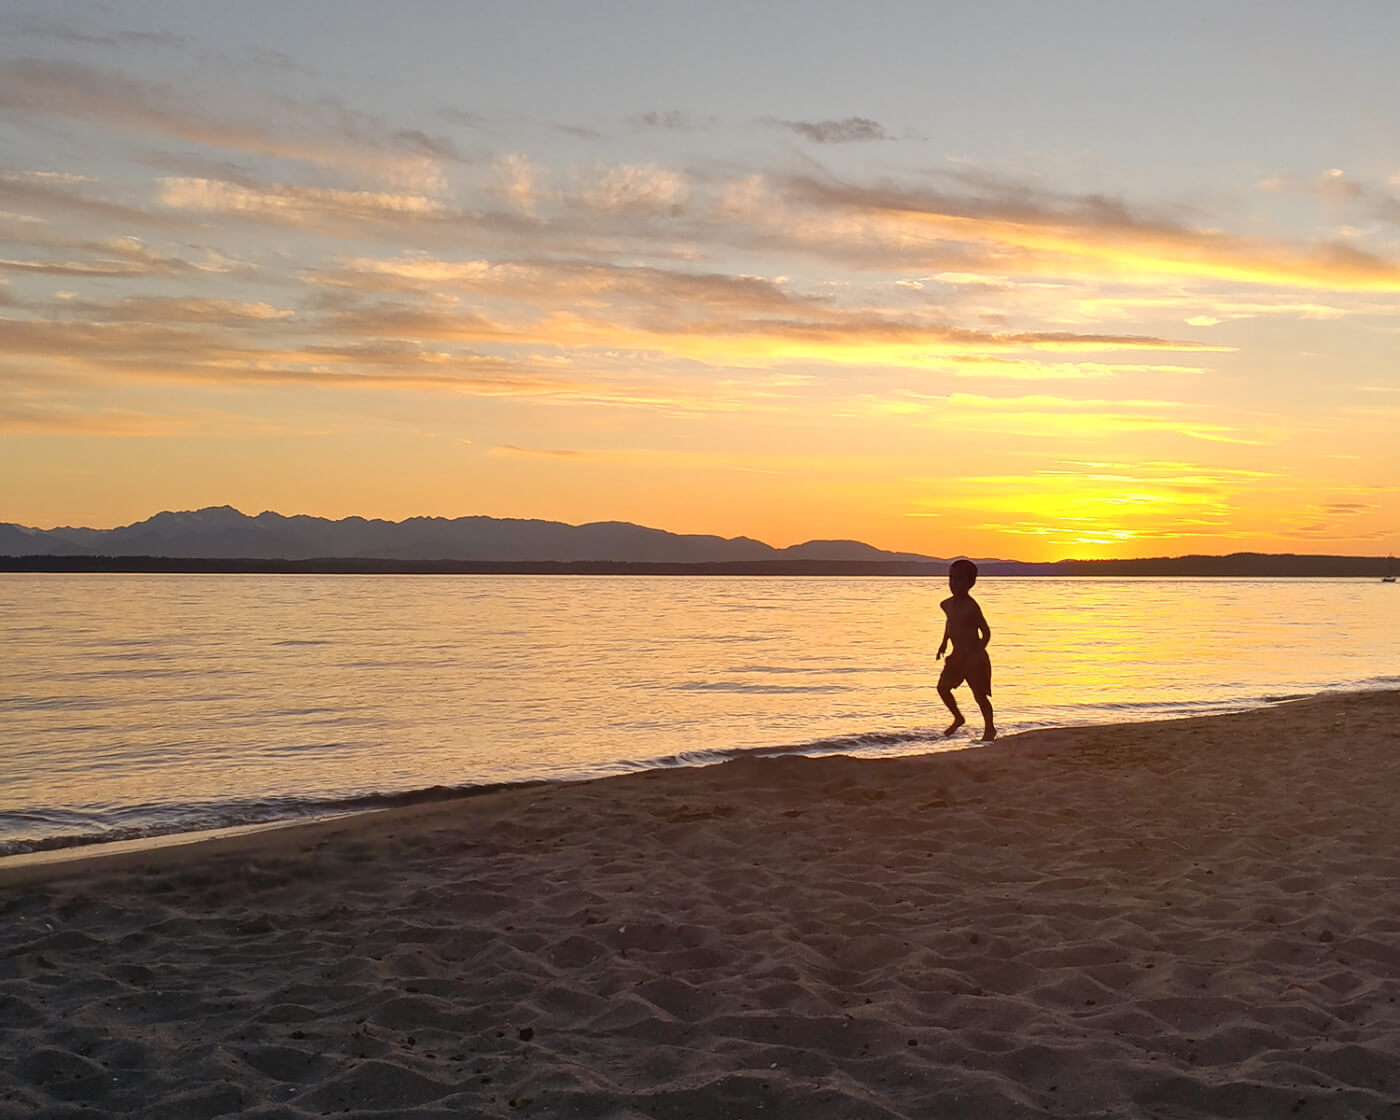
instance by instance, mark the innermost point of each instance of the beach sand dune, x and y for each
(1179, 919)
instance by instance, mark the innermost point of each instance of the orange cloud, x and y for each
(293, 205)
(117, 257)
(200, 351)
(842, 338)
(548, 283)
(1039, 234)
(1000, 234)
(1028, 369)
(203, 346)
(511, 451)
(222, 312)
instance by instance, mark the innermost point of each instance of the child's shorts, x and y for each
(972, 666)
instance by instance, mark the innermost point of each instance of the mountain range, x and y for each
(222, 532)
(221, 539)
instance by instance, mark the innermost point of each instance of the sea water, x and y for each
(140, 704)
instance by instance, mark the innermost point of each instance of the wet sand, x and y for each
(1189, 918)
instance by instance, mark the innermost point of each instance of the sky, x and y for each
(1004, 279)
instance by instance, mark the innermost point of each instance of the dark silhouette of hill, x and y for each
(1253, 564)
(846, 550)
(221, 532)
(221, 539)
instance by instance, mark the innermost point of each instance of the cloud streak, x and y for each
(28, 193)
(328, 134)
(1090, 235)
(709, 317)
(850, 130)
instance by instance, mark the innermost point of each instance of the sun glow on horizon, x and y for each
(236, 268)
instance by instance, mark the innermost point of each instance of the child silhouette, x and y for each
(969, 633)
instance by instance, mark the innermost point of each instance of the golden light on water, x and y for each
(236, 695)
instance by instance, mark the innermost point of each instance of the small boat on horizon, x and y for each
(1389, 576)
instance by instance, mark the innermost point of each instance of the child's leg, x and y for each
(947, 695)
(984, 701)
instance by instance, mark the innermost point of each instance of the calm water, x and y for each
(134, 703)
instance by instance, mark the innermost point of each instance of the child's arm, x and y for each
(943, 645)
(984, 632)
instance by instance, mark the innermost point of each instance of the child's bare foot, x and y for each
(988, 734)
(954, 726)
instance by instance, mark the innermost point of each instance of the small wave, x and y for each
(415, 663)
(777, 670)
(1165, 706)
(43, 830)
(858, 743)
(735, 686)
(1368, 683)
(38, 830)
(298, 748)
(64, 828)
(51, 703)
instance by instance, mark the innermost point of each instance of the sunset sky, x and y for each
(1006, 279)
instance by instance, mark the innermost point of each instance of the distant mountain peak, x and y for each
(225, 533)
(846, 550)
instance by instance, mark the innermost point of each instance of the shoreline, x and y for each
(1188, 917)
(66, 849)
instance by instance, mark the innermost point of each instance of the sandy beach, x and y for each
(1179, 919)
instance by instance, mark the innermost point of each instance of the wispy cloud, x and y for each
(298, 205)
(846, 131)
(511, 451)
(591, 282)
(326, 133)
(997, 238)
(1030, 369)
(1326, 521)
(215, 312)
(703, 316)
(634, 187)
(1091, 235)
(673, 120)
(1344, 194)
(34, 26)
(25, 192)
(112, 257)
(1332, 185)
(196, 343)
(834, 337)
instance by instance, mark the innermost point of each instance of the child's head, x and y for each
(962, 574)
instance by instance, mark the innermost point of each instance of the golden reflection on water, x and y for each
(1125, 642)
(121, 691)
